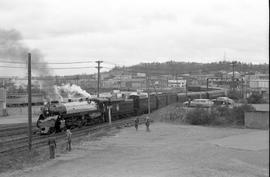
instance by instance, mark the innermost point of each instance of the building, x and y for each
(258, 82)
(177, 83)
(259, 118)
(3, 110)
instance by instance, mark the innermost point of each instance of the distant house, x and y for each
(236, 74)
(258, 82)
(3, 102)
(177, 83)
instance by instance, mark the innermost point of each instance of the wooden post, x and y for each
(207, 94)
(98, 85)
(109, 114)
(29, 104)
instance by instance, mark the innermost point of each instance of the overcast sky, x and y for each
(127, 32)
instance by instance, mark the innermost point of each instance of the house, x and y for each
(259, 118)
(258, 82)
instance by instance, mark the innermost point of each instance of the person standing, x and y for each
(147, 123)
(136, 123)
(52, 146)
(62, 123)
(189, 101)
(68, 136)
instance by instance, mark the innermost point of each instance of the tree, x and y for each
(255, 98)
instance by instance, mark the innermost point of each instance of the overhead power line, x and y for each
(12, 67)
(70, 62)
(75, 62)
(46, 68)
(111, 63)
(20, 62)
(15, 62)
(68, 68)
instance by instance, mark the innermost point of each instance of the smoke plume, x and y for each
(72, 91)
(13, 49)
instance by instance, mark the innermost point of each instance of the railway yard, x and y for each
(134, 89)
(167, 150)
(101, 148)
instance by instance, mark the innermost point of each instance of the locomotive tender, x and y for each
(56, 117)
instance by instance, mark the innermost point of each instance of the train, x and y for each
(56, 117)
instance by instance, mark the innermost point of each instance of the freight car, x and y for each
(92, 111)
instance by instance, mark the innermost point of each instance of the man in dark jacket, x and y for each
(136, 123)
(147, 123)
(52, 146)
(68, 136)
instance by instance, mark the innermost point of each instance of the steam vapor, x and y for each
(71, 91)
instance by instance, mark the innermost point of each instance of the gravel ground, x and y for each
(167, 150)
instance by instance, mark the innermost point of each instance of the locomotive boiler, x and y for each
(58, 116)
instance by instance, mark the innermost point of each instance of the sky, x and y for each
(128, 32)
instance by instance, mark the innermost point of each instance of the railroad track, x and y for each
(17, 129)
(21, 144)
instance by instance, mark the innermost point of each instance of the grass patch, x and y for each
(25, 159)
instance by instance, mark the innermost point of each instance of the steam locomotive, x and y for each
(57, 116)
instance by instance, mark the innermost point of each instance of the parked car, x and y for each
(199, 103)
(224, 101)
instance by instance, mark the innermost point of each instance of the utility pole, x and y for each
(242, 86)
(147, 86)
(186, 88)
(29, 104)
(98, 68)
(207, 86)
(233, 66)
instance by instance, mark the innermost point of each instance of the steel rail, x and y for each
(40, 141)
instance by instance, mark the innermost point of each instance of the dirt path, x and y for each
(168, 150)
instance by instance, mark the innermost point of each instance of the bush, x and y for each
(255, 98)
(238, 114)
(199, 116)
(218, 116)
(235, 95)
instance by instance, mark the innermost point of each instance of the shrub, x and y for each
(218, 116)
(235, 95)
(255, 98)
(238, 113)
(199, 116)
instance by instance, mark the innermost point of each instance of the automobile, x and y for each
(199, 103)
(224, 101)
